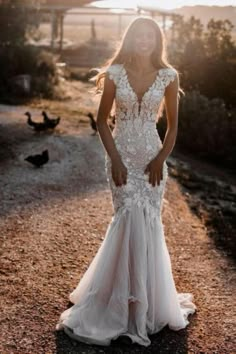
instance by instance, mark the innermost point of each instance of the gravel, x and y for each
(52, 222)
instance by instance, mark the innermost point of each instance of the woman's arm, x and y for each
(155, 166)
(171, 104)
(104, 109)
(119, 170)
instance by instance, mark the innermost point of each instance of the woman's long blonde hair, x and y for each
(125, 53)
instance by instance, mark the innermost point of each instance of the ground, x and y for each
(53, 220)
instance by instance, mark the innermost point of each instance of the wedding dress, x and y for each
(129, 289)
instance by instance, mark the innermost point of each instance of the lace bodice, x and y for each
(127, 102)
(137, 139)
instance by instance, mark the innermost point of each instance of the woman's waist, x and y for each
(137, 154)
(139, 139)
(135, 165)
(135, 123)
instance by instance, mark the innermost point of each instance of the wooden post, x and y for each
(53, 19)
(61, 30)
(93, 30)
(173, 29)
(119, 25)
(164, 22)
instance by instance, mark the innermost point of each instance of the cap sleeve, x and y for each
(170, 76)
(113, 72)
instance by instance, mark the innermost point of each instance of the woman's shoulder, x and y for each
(169, 74)
(170, 70)
(114, 67)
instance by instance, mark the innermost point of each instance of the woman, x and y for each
(128, 289)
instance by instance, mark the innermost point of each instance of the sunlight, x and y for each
(164, 4)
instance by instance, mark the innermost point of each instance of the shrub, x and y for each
(40, 65)
(207, 128)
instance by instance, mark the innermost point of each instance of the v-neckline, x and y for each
(140, 101)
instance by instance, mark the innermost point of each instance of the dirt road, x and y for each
(52, 222)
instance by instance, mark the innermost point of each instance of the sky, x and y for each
(164, 4)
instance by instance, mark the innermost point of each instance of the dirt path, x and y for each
(52, 222)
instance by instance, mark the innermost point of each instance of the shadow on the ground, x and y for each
(164, 342)
(211, 194)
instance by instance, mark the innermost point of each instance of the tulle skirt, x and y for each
(128, 288)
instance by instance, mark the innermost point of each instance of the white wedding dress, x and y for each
(129, 287)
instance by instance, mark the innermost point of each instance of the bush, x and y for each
(18, 19)
(205, 60)
(207, 128)
(40, 65)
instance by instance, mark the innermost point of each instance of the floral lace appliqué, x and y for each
(138, 142)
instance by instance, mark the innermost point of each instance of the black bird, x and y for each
(39, 159)
(37, 126)
(113, 119)
(93, 123)
(112, 123)
(50, 122)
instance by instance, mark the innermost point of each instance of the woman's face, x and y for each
(144, 40)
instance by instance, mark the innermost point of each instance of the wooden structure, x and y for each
(59, 8)
(156, 11)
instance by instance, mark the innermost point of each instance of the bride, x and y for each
(128, 289)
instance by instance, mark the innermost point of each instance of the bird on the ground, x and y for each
(112, 122)
(37, 126)
(39, 159)
(113, 118)
(93, 123)
(51, 122)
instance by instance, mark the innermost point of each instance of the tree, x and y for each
(16, 19)
(206, 60)
(184, 31)
(218, 39)
(18, 58)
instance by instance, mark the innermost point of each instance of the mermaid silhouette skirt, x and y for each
(128, 287)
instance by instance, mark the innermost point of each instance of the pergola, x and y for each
(59, 9)
(156, 11)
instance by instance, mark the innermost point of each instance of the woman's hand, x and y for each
(119, 172)
(155, 170)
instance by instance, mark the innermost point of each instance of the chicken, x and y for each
(39, 159)
(36, 126)
(93, 123)
(112, 119)
(51, 122)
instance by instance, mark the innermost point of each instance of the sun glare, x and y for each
(164, 4)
